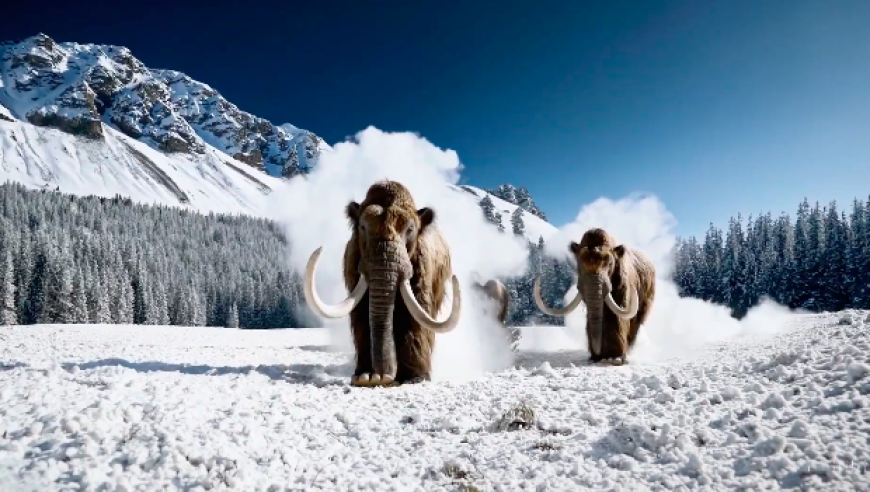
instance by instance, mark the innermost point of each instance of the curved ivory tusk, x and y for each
(330, 310)
(555, 311)
(627, 313)
(423, 317)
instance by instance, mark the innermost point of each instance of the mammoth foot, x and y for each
(610, 361)
(366, 379)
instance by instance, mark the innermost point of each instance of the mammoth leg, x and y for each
(614, 335)
(414, 344)
(359, 325)
(638, 321)
(414, 354)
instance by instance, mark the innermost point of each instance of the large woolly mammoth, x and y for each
(397, 269)
(612, 275)
(497, 292)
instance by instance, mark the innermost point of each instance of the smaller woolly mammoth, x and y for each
(397, 268)
(612, 275)
(497, 292)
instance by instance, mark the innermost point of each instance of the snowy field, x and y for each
(164, 408)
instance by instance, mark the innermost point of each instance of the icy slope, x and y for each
(173, 409)
(116, 164)
(535, 226)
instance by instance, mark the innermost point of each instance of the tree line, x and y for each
(74, 259)
(821, 262)
(88, 259)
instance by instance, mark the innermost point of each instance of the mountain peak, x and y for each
(79, 88)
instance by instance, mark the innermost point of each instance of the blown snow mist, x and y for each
(311, 210)
(676, 325)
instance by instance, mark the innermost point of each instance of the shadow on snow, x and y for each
(532, 359)
(317, 374)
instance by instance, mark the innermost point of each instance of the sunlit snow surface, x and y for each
(170, 408)
(46, 158)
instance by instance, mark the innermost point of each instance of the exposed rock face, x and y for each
(519, 197)
(254, 141)
(78, 88)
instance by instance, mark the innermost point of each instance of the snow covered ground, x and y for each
(168, 408)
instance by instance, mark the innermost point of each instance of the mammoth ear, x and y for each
(427, 216)
(352, 212)
(619, 250)
(574, 247)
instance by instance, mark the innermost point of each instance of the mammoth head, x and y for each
(598, 256)
(378, 228)
(387, 228)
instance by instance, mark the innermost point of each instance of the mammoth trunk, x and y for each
(593, 294)
(385, 274)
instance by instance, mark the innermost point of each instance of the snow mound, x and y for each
(123, 407)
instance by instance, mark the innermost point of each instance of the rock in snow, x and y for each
(147, 407)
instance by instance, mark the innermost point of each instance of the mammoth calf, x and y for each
(397, 269)
(613, 275)
(496, 291)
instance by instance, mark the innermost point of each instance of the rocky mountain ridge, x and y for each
(93, 119)
(78, 88)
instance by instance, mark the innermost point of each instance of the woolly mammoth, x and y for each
(397, 269)
(612, 275)
(496, 291)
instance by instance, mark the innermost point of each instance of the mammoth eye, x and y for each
(410, 229)
(362, 226)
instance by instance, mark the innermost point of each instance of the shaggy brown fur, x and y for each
(390, 210)
(627, 269)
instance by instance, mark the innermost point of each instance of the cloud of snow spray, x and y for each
(312, 211)
(676, 325)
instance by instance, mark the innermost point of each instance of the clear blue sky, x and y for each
(716, 107)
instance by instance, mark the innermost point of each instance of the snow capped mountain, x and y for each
(76, 87)
(535, 226)
(93, 119)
